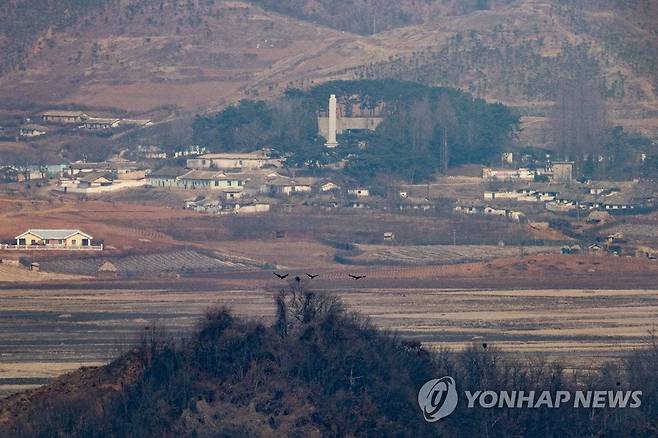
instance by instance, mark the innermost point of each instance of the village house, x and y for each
(618, 207)
(326, 186)
(521, 174)
(95, 179)
(166, 177)
(100, 177)
(49, 170)
(546, 196)
(280, 186)
(415, 203)
(200, 179)
(204, 206)
(100, 123)
(358, 192)
(118, 168)
(32, 130)
(490, 211)
(57, 116)
(479, 210)
(232, 193)
(245, 206)
(469, 209)
(97, 182)
(517, 216)
(358, 204)
(227, 161)
(507, 157)
(303, 185)
(177, 178)
(522, 195)
(501, 195)
(597, 191)
(55, 239)
(595, 248)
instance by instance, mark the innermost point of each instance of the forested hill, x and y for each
(425, 129)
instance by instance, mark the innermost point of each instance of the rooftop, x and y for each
(258, 155)
(108, 165)
(102, 120)
(35, 127)
(168, 172)
(204, 175)
(93, 176)
(63, 113)
(55, 234)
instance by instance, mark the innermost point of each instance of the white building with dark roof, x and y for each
(59, 116)
(231, 160)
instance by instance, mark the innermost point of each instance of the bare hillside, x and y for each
(188, 57)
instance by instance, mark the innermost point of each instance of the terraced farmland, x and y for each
(439, 254)
(185, 261)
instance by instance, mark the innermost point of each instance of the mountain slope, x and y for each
(186, 57)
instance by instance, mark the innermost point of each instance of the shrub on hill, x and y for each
(316, 371)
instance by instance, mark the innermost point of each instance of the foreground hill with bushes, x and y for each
(316, 371)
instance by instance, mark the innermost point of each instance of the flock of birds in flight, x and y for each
(312, 276)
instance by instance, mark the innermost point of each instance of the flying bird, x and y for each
(311, 276)
(281, 276)
(357, 277)
(298, 279)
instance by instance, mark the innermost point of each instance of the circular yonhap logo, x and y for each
(438, 398)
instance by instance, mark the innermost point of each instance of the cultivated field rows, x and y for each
(443, 254)
(176, 261)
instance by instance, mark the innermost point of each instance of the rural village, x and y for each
(283, 217)
(543, 195)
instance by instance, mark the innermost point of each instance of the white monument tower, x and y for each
(331, 138)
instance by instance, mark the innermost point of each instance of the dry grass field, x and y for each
(10, 273)
(49, 329)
